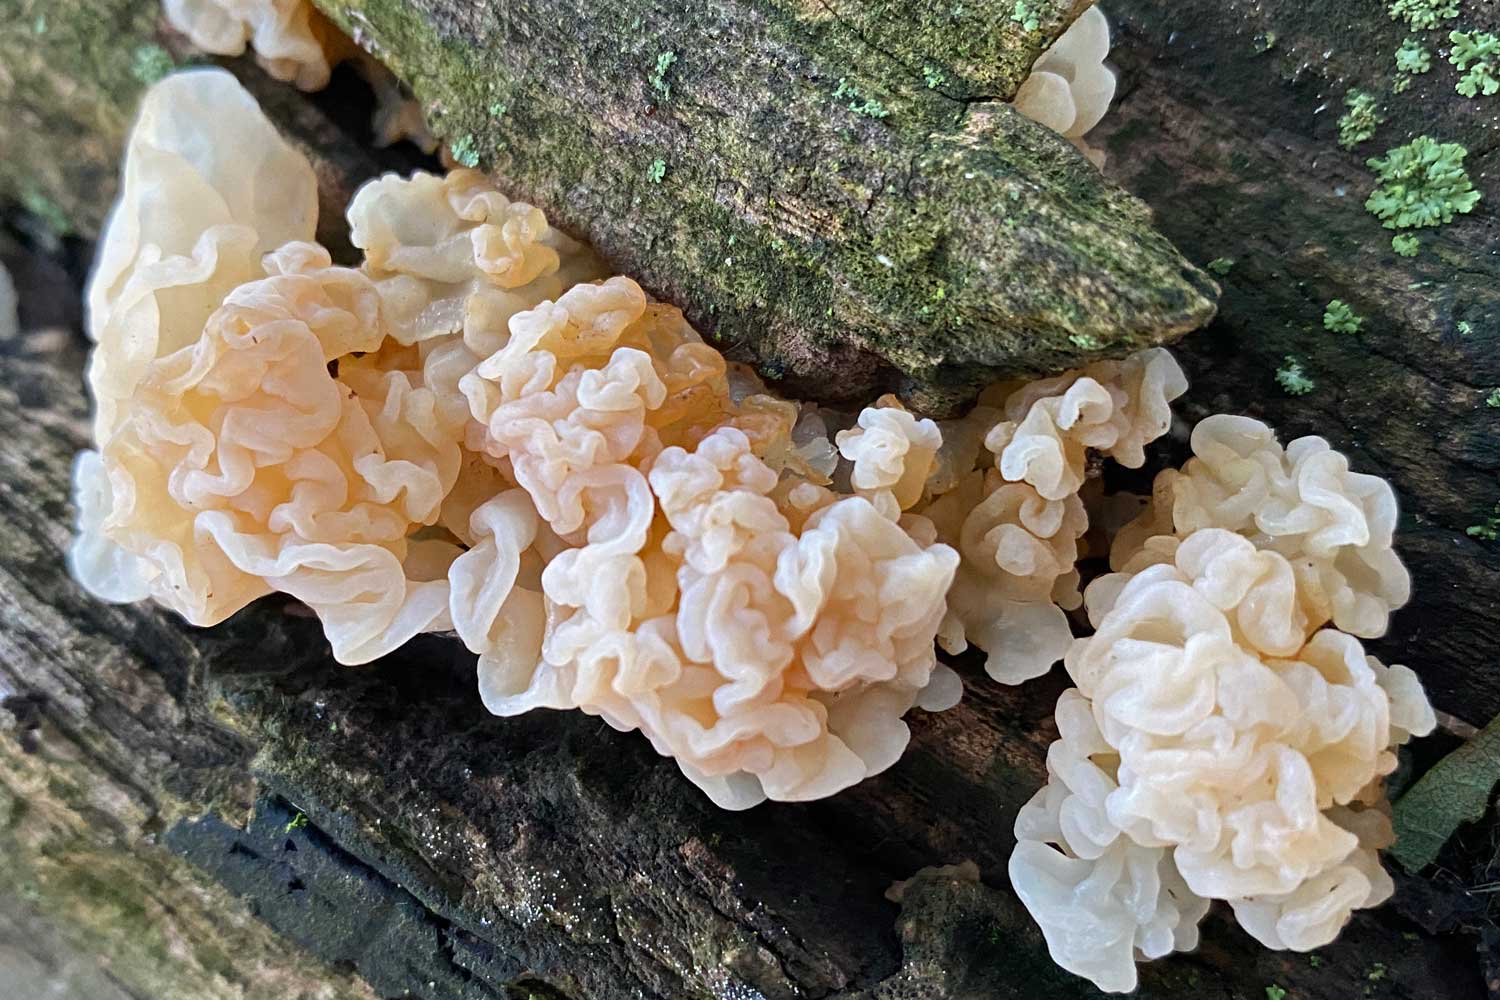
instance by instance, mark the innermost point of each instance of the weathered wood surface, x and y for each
(807, 194)
(449, 854)
(789, 179)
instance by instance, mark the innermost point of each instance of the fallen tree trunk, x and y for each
(380, 818)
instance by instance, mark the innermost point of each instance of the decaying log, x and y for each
(805, 193)
(379, 818)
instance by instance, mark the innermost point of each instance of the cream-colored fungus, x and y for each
(209, 187)
(767, 660)
(290, 38)
(1333, 525)
(1018, 522)
(1220, 745)
(473, 432)
(294, 42)
(1070, 88)
(244, 467)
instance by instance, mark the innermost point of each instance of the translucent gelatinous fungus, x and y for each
(479, 430)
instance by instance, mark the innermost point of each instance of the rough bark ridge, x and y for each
(817, 197)
(805, 193)
(448, 854)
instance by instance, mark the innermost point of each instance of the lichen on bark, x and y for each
(804, 194)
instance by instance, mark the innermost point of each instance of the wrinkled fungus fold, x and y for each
(478, 430)
(1070, 88)
(295, 43)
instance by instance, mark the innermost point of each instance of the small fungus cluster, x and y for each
(295, 43)
(1070, 88)
(1228, 735)
(479, 431)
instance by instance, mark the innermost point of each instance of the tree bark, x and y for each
(788, 176)
(443, 853)
(807, 194)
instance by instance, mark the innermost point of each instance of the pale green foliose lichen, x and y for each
(1359, 122)
(1478, 52)
(1293, 378)
(1024, 16)
(1339, 318)
(1413, 57)
(1487, 530)
(658, 79)
(465, 151)
(151, 62)
(1423, 15)
(1422, 183)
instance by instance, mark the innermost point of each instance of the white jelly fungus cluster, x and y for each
(1070, 88)
(289, 37)
(1222, 741)
(478, 431)
(1017, 464)
(294, 42)
(470, 432)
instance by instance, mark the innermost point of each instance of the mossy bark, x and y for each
(829, 190)
(787, 173)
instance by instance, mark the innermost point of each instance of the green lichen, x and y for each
(1423, 15)
(465, 150)
(1266, 41)
(1339, 318)
(656, 171)
(1274, 992)
(47, 210)
(933, 77)
(658, 78)
(150, 62)
(1376, 973)
(1482, 50)
(1405, 245)
(1422, 183)
(1413, 57)
(1465, 328)
(1361, 120)
(1221, 266)
(1487, 530)
(858, 103)
(297, 822)
(1024, 16)
(1293, 378)
(1085, 342)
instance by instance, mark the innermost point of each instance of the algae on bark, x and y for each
(804, 194)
